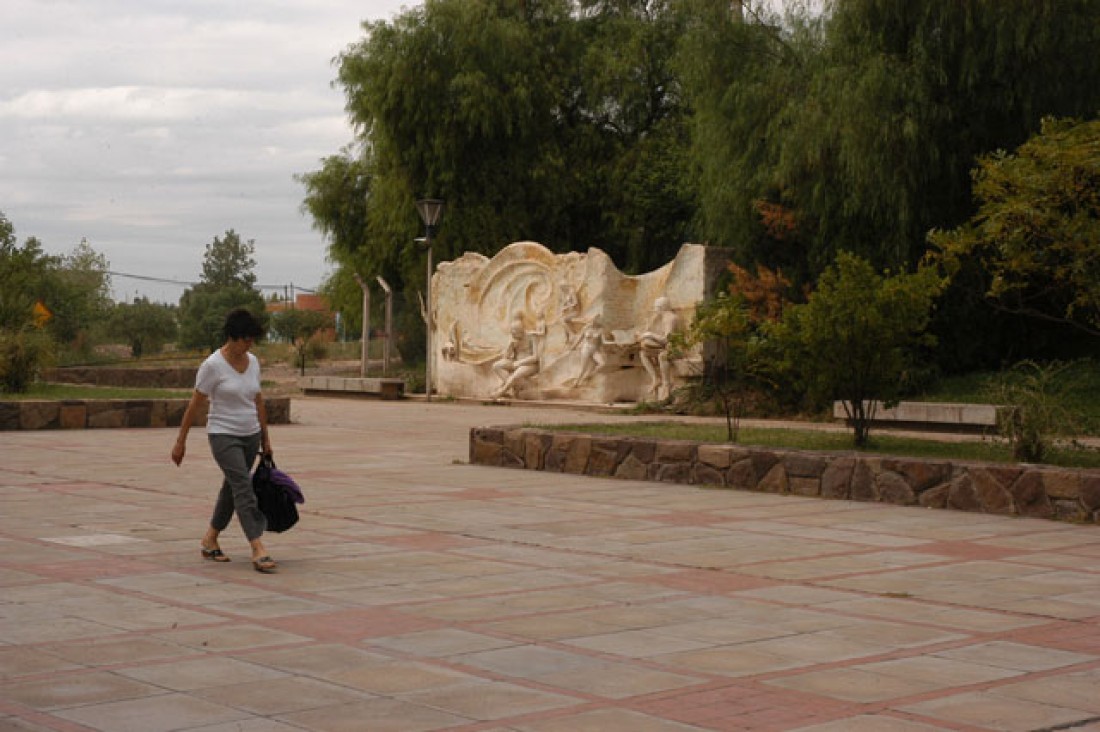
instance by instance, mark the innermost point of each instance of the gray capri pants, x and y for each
(235, 455)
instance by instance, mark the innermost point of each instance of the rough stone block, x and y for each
(762, 463)
(837, 478)
(862, 485)
(674, 472)
(514, 442)
(715, 456)
(1090, 493)
(706, 475)
(9, 415)
(1030, 496)
(576, 459)
(535, 447)
(631, 468)
(936, 496)
(602, 461)
(775, 481)
(804, 466)
(804, 486)
(73, 416)
(1062, 484)
(36, 415)
(742, 475)
(675, 452)
(993, 495)
(643, 450)
(483, 452)
(962, 495)
(893, 488)
(920, 474)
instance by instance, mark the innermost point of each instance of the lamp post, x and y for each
(430, 210)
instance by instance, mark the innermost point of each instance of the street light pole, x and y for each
(430, 210)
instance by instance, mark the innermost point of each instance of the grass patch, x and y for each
(794, 439)
(86, 391)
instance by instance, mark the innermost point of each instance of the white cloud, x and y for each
(152, 126)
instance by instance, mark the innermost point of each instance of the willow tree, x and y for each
(548, 120)
(861, 125)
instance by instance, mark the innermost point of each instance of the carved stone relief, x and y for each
(531, 324)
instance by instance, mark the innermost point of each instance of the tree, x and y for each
(299, 327)
(1036, 235)
(80, 295)
(863, 123)
(229, 262)
(227, 283)
(143, 325)
(857, 336)
(732, 325)
(532, 120)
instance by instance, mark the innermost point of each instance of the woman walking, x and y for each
(236, 425)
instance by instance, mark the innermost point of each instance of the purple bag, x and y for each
(274, 495)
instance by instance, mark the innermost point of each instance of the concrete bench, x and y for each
(932, 415)
(349, 385)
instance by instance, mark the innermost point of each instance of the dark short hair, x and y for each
(241, 323)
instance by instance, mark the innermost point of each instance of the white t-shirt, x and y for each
(232, 395)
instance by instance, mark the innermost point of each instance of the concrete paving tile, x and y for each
(636, 643)
(618, 681)
(282, 695)
(161, 713)
(1076, 690)
(733, 661)
(317, 659)
(854, 685)
(489, 700)
(398, 677)
(996, 712)
(442, 642)
(18, 661)
(230, 637)
(76, 689)
(872, 723)
(820, 647)
(1016, 656)
(200, 673)
(115, 651)
(942, 672)
(385, 715)
(605, 720)
(527, 661)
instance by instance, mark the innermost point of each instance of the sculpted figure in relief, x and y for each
(653, 347)
(592, 340)
(519, 360)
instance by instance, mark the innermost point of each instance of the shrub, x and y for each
(23, 354)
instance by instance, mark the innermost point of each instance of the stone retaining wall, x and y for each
(105, 413)
(1010, 489)
(146, 378)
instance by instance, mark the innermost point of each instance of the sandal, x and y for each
(214, 555)
(266, 565)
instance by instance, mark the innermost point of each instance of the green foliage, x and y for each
(227, 283)
(1034, 408)
(531, 120)
(229, 262)
(144, 326)
(857, 336)
(23, 354)
(863, 123)
(299, 327)
(202, 312)
(1036, 235)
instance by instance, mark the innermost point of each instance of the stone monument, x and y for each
(531, 324)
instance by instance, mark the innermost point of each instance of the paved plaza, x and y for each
(422, 593)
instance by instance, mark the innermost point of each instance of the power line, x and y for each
(184, 283)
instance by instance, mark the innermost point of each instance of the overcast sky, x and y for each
(151, 126)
